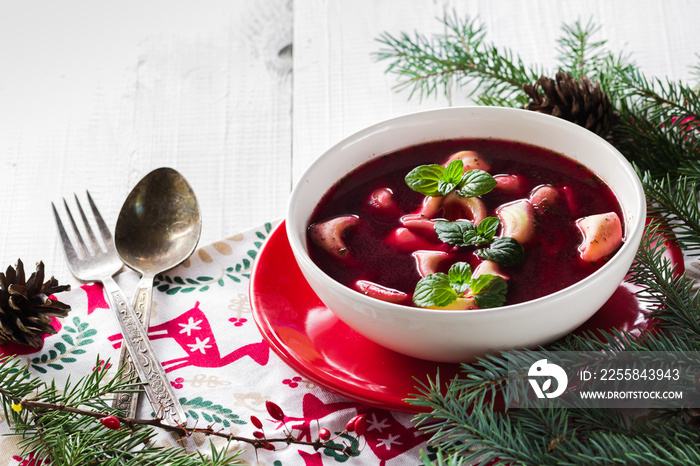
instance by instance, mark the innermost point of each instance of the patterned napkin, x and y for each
(216, 359)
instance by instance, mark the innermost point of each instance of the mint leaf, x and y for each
(483, 233)
(489, 290)
(445, 187)
(426, 179)
(475, 183)
(434, 290)
(451, 177)
(503, 250)
(488, 227)
(472, 237)
(437, 180)
(460, 275)
(464, 233)
(454, 171)
(454, 232)
(441, 289)
(479, 282)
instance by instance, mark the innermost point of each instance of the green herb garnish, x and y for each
(503, 250)
(427, 180)
(434, 290)
(436, 180)
(440, 290)
(465, 233)
(475, 183)
(460, 276)
(489, 290)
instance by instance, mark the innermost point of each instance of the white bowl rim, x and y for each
(637, 225)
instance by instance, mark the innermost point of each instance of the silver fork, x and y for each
(99, 263)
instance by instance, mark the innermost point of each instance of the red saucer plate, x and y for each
(317, 345)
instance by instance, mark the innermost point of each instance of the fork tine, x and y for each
(67, 245)
(81, 246)
(101, 225)
(88, 229)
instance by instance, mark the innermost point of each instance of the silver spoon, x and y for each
(158, 228)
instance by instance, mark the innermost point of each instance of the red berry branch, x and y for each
(111, 422)
(356, 425)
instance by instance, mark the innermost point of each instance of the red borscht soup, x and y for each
(465, 224)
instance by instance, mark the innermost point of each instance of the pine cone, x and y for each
(579, 101)
(25, 306)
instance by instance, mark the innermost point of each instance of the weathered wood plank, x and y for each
(339, 88)
(95, 96)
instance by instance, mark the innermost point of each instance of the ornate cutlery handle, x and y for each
(149, 369)
(128, 401)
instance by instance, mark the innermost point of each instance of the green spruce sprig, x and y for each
(461, 57)
(658, 125)
(76, 425)
(580, 53)
(676, 200)
(657, 128)
(658, 131)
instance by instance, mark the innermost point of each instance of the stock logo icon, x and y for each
(548, 371)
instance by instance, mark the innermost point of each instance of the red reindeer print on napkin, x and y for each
(95, 297)
(314, 410)
(311, 459)
(193, 333)
(386, 437)
(30, 460)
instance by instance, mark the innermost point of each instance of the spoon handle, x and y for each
(141, 303)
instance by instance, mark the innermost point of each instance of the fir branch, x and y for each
(83, 440)
(478, 433)
(464, 422)
(579, 54)
(41, 410)
(658, 131)
(676, 200)
(658, 121)
(658, 447)
(440, 459)
(64, 425)
(15, 382)
(459, 57)
(658, 127)
(657, 146)
(659, 97)
(673, 296)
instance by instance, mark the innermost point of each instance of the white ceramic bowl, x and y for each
(463, 335)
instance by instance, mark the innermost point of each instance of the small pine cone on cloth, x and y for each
(577, 100)
(26, 305)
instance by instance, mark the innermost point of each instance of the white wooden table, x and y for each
(239, 96)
